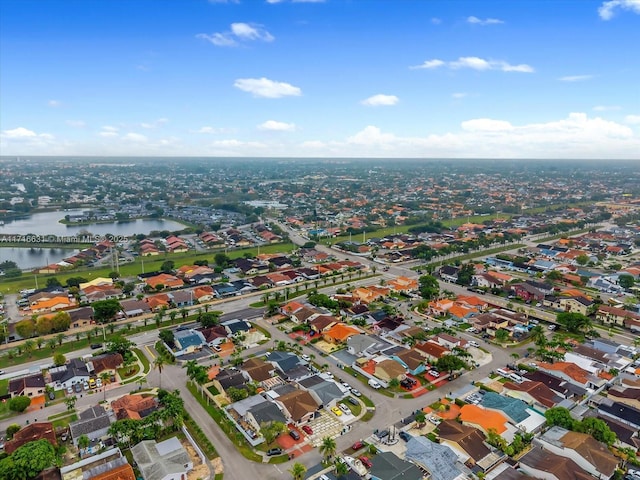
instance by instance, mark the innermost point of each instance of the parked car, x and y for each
(306, 357)
(77, 387)
(99, 383)
(307, 429)
(352, 401)
(337, 411)
(404, 436)
(69, 390)
(96, 346)
(217, 348)
(344, 408)
(381, 433)
(365, 461)
(274, 451)
(551, 327)
(51, 395)
(355, 392)
(373, 384)
(357, 446)
(293, 434)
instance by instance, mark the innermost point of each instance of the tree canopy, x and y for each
(19, 403)
(574, 322)
(28, 460)
(429, 287)
(105, 310)
(119, 345)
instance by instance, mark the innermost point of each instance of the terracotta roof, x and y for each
(570, 369)
(106, 362)
(122, 472)
(484, 418)
(538, 390)
(432, 349)
(31, 433)
(412, 358)
(341, 332)
(130, 406)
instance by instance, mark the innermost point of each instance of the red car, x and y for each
(365, 461)
(307, 429)
(357, 446)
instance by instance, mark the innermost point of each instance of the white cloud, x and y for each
(577, 136)
(606, 108)
(155, 124)
(459, 95)
(608, 9)
(19, 132)
(263, 87)
(483, 22)
(575, 78)
(273, 2)
(239, 32)
(76, 123)
(486, 125)
(108, 131)
(275, 126)
(224, 1)
(23, 140)
(436, 21)
(632, 119)
(380, 100)
(54, 103)
(218, 39)
(135, 137)
(435, 63)
(209, 130)
(475, 63)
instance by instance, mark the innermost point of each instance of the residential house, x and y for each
(618, 316)
(93, 422)
(403, 284)
(203, 293)
(236, 326)
(388, 369)
(592, 456)
(214, 335)
(363, 345)
(80, 316)
(228, 378)
(65, 376)
(158, 302)
(188, 341)
(527, 292)
(253, 412)
(432, 351)
(299, 405)
(340, 332)
(485, 419)
(517, 412)
(448, 341)
(411, 360)
(31, 433)
(164, 279)
(439, 460)
(560, 386)
(541, 463)
(619, 411)
(572, 373)
(627, 396)
(166, 460)
(135, 308)
(467, 443)
(31, 386)
(53, 304)
(116, 469)
(133, 407)
(533, 393)
(387, 466)
(325, 392)
(106, 363)
(257, 369)
(304, 314)
(449, 273)
(322, 323)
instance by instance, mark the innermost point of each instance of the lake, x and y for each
(28, 258)
(47, 223)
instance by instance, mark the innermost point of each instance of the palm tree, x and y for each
(40, 342)
(29, 347)
(159, 363)
(297, 471)
(341, 469)
(105, 377)
(172, 316)
(60, 338)
(537, 335)
(184, 312)
(328, 448)
(83, 443)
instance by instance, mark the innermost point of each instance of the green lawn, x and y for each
(145, 362)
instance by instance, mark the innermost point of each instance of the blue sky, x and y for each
(339, 78)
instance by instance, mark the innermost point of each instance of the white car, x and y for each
(306, 357)
(344, 408)
(473, 343)
(329, 374)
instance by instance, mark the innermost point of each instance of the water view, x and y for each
(28, 258)
(47, 223)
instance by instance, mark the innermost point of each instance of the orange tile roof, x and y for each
(570, 369)
(122, 472)
(485, 419)
(341, 332)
